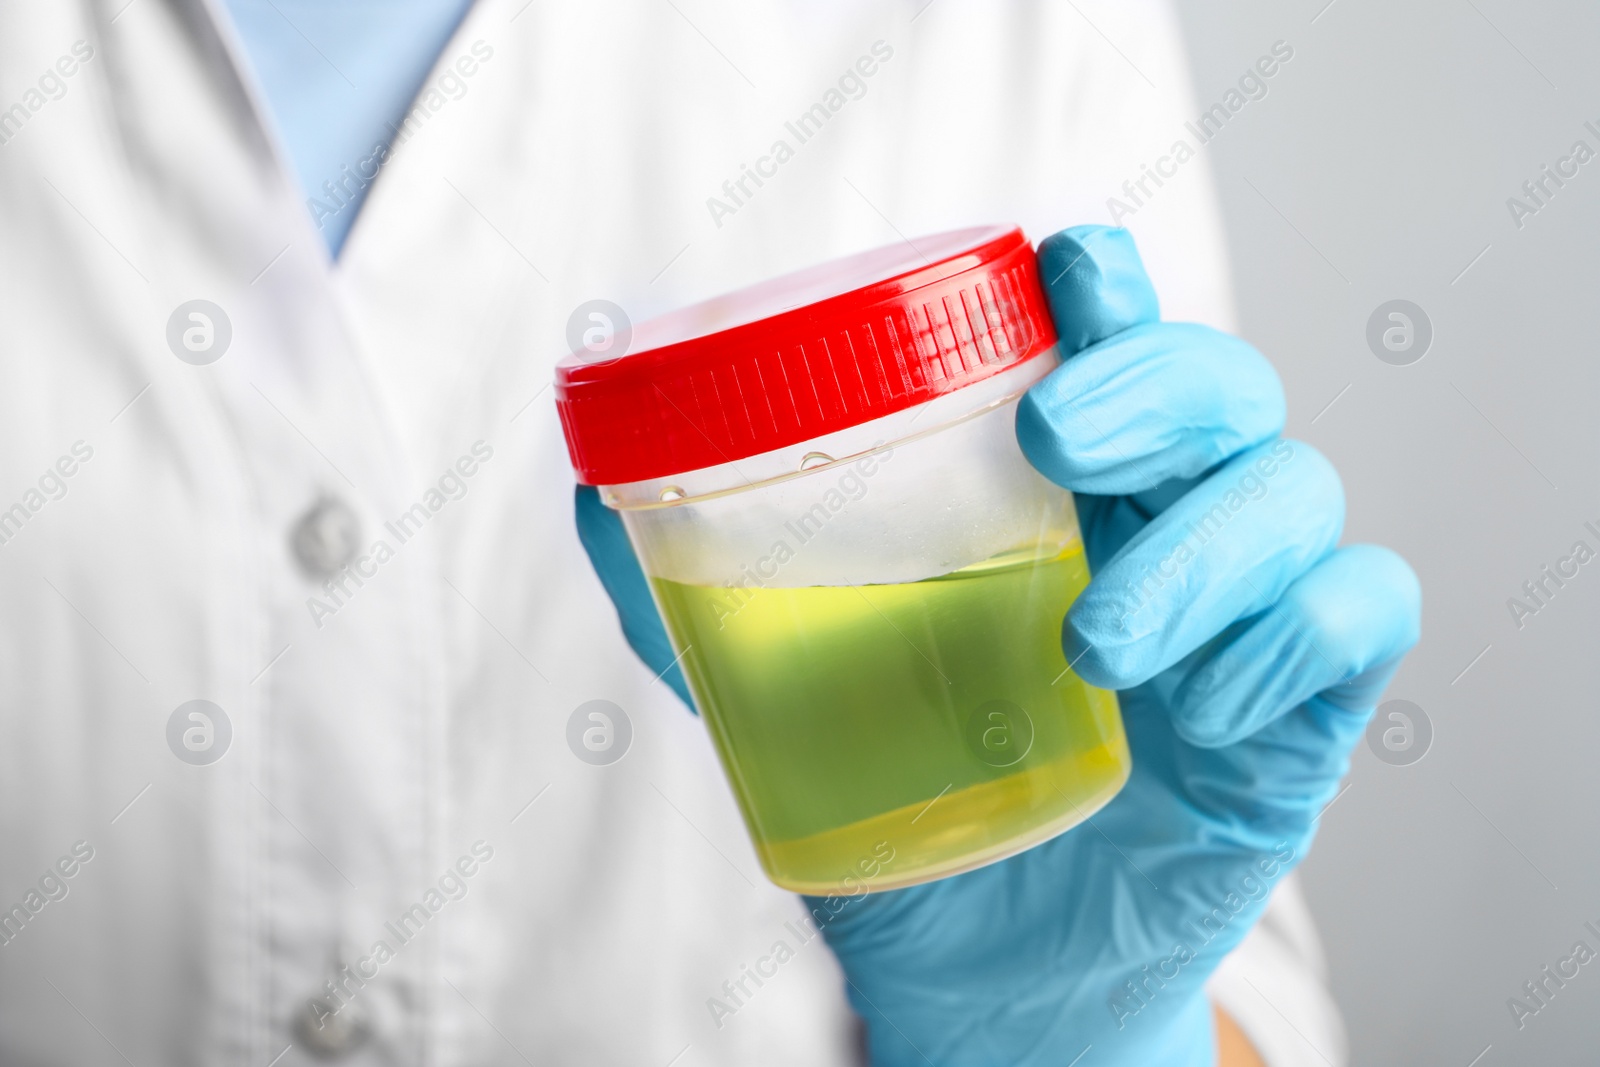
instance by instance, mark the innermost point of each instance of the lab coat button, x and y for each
(326, 538)
(327, 1032)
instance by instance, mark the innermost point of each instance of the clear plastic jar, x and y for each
(866, 584)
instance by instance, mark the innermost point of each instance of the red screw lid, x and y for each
(804, 355)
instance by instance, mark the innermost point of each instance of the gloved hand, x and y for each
(1248, 652)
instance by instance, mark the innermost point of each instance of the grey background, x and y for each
(1381, 164)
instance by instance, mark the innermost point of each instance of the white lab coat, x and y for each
(421, 723)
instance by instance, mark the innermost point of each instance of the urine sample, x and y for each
(946, 721)
(862, 575)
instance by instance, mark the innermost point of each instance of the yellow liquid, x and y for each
(935, 723)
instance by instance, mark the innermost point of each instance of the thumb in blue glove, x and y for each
(604, 539)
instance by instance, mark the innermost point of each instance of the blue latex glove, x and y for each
(1248, 651)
